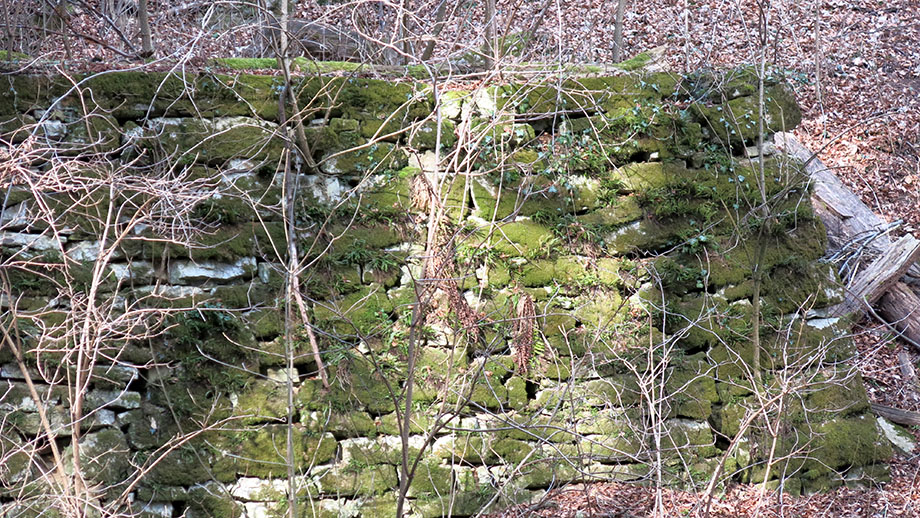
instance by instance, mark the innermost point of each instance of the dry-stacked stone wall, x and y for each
(592, 256)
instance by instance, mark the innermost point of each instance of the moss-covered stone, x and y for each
(380, 507)
(342, 424)
(365, 311)
(836, 444)
(213, 141)
(689, 436)
(262, 401)
(425, 136)
(260, 452)
(693, 390)
(601, 310)
(355, 480)
(371, 158)
(431, 478)
(357, 98)
(623, 209)
(212, 500)
(517, 393)
(463, 503)
(354, 385)
(522, 238)
(185, 467)
(736, 121)
(104, 457)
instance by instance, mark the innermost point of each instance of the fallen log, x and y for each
(900, 308)
(896, 415)
(908, 373)
(843, 213)
(875, 280)
(848, 220)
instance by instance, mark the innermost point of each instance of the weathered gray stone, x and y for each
(900, 438)
(137, 272)
(258, 490)
(115, 399)
(104, 456)
(185, 272)
(171, 292)
(31, 242)
(16, 218)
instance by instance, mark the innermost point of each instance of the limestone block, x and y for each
(17, 217)
(258, 490)
(29, 244)
(355, 479)
(214, 141)
(104, 456)
(115, 399)
(382, 450)
(188, 272)
(137, 272)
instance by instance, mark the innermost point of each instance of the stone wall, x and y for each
(591, 254)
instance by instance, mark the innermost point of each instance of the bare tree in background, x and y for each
(618, 32)
(144, 22)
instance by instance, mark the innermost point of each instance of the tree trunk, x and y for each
(144, 22)
(618, 32)
(491, 50)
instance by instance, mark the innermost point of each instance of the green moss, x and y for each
(355, 384)
(528, 196)
(839, 398)
(213, 501)
(302, 64)
(245, 295)
(332, 138)
(460, 503)
(226, 209)
(245, 63)
(438, 362)
(388, 195)
(339, 423)
(689, 437)
(184, 466)
(485, 393)
(837, 444)
(735, 122)
(380, 507)
(521, 238)
(587, 94)
(357, 98)
(262, 401)
(266, 324)
(425, 135)
(259, 452)
(791, 287)
(134, 95)
(431, 478)
(214, 141)
(228, 243)
(386, 130)
(356, 480)
(365, 311)
(693, 390)
(6, 55)
(601, 310)
(375, 158)
(94, 133)
(517, 393)
(537, 273)
(636, 62)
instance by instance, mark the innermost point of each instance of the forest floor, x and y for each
(862, 117)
